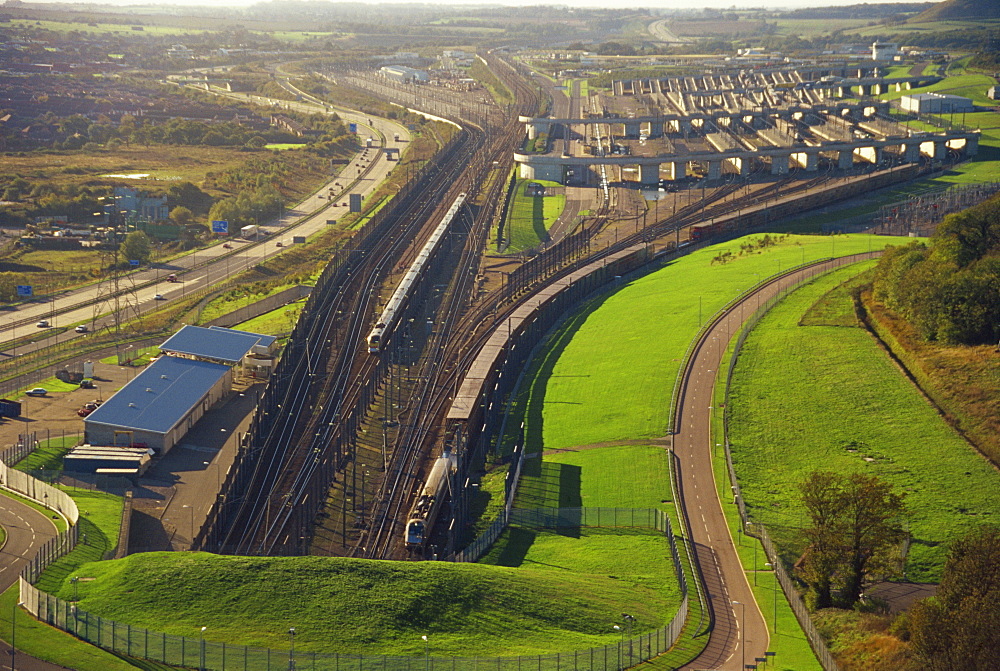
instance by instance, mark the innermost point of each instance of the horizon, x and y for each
(677, 5)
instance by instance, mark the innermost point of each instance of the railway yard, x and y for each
(369, 439)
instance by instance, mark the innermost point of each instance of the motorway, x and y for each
(740, 633)
(203, 267)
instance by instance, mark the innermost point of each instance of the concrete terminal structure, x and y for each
(718, 125)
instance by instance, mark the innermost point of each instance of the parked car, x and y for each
(87, 409)
(43, 324)
(86, 383)
(37, 391)
(82, 328)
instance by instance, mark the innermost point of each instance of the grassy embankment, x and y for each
(530, 217)
(355, 605)
(814, 391)
(602, 389)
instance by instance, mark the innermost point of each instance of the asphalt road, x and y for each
(27, 530)
(740, 633)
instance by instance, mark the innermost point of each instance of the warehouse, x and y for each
(159, 406)
(935, 103)
(403, 74)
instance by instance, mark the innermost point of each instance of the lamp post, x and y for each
(13, 633)
(291, 649)
(191, 508)
(201, 666)
(628, 619)
(621, 642)
(427, 653)
(774, 590)
(739, 623)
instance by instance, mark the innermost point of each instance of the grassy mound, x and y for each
(375, 607)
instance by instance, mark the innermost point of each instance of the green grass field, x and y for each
(48, 456)
(277, 321)
(816, 396)
(531, 217)
(355, 605)
(612, 378)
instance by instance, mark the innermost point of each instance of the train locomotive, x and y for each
(397, 303)
(424, 513)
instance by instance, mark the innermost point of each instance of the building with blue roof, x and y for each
(158, 407)
(219, 345)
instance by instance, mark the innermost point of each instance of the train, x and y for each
(397, 303)
(424, 513)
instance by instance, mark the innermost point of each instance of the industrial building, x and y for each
(161, 404)
(403, 74)
(935, 103)
(884, 51)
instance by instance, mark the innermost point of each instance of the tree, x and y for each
(854, 526)
(181, 216)
(957, 628)
(136, 247)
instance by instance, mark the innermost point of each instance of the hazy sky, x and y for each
(669, 4)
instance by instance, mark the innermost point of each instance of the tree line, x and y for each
(949, 291)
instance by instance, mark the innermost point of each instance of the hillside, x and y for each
(380, 607)
(959, 9)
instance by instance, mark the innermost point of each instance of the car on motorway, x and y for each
(226, 245)
(278, 244)
(159, 297)
(43, 324)
(37, 391)
(82, 328)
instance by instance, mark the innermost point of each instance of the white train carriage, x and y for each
(425, 510)
(394, 308)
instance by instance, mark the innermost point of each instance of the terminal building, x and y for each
(161, 404)
(935, 103)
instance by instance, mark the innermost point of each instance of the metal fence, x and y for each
(196, 652)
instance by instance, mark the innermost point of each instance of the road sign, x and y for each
(298, 239)
(220, 227)
(355, 202)
(134, 263)
(352, 127)
(24, 290)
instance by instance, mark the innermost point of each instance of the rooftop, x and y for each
(219, 344)
(160, 396)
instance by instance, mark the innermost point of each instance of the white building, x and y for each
(935, 103)
(884, 51)
(403, 74)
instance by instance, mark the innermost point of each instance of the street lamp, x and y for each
(774, 590)
(191, 508)
(621, 642)
(739, 624)
(427, 653)
(13, 633)
(201, 667)
(291, 649)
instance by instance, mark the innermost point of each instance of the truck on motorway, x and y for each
(250, 231)
(395, 136)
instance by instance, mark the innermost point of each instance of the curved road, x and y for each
(27, 530)
(739, 633)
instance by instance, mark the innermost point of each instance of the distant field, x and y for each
(827, 397)
(814, 27)
(926, 27)
(282, 146)
(106, 28)
(968, 85)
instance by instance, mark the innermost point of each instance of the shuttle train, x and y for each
(394, 308)
(425, 510)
